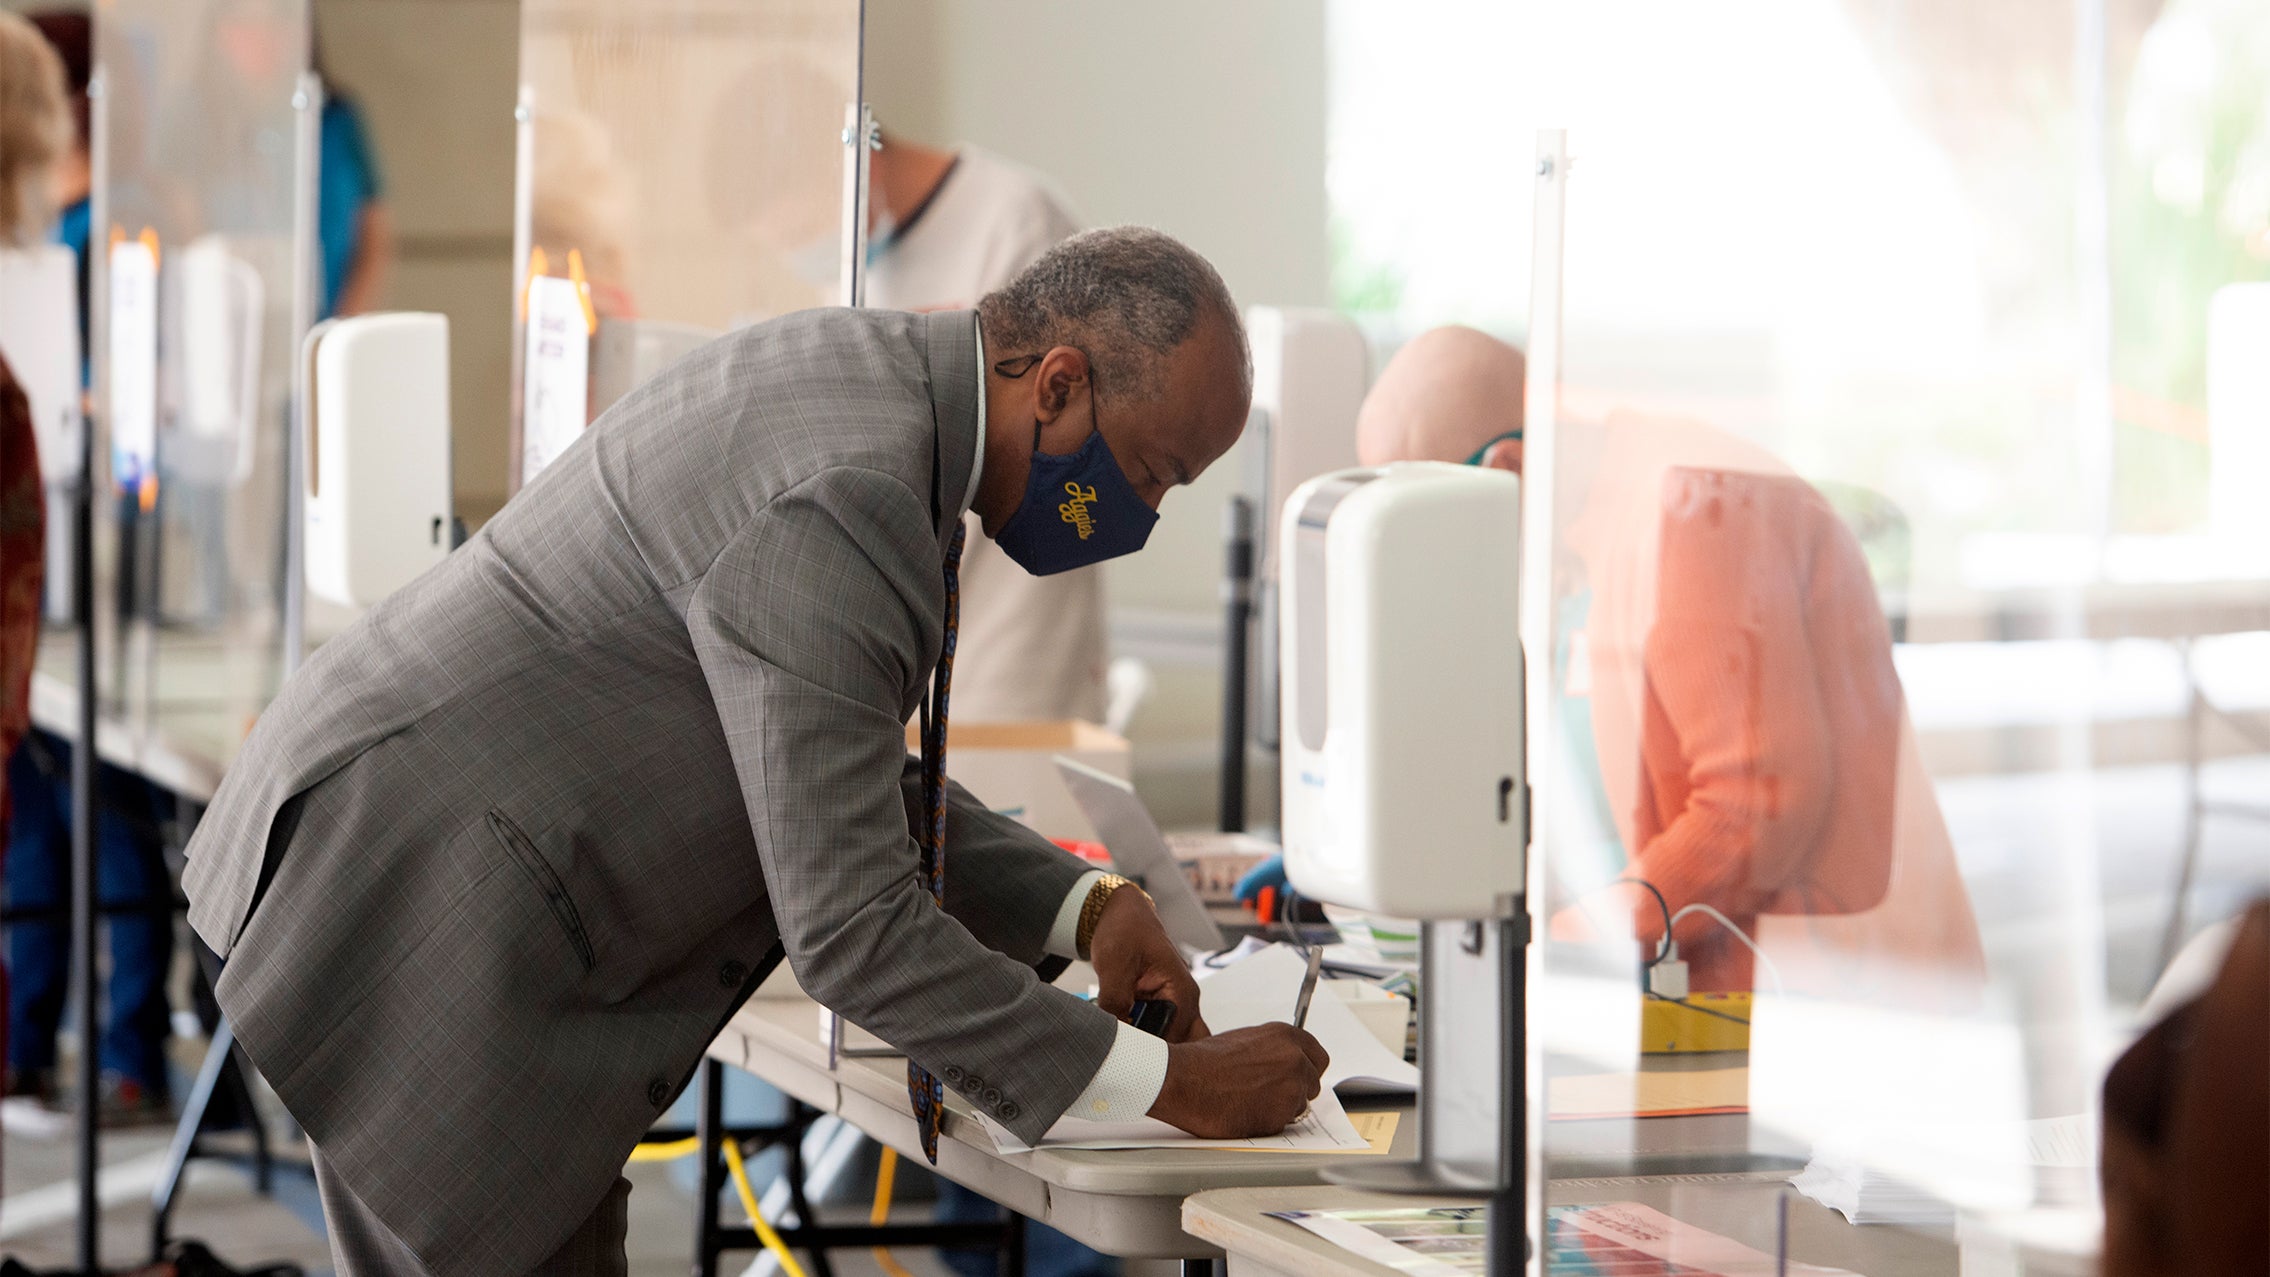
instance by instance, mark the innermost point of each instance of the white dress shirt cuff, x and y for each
(1128, 1083)
(1064, 936)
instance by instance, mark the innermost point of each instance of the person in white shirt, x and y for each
(945, 228)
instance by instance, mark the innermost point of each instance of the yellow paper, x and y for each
(1654, 1093)
(1376, 1128)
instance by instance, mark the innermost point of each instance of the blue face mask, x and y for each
(1078, 508)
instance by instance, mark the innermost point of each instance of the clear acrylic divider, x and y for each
(1908, 574)
(202, 268)
(682, 173)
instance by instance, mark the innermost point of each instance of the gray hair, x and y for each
(1127, 296)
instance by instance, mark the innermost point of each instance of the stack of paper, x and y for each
(1266, 985)
(1864, 1196)
(1841, 1175)
(1326, 1129)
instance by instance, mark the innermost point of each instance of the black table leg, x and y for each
(709, 1131)
(1013, 1246)
(800, 1119)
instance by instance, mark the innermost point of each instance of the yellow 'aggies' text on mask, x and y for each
(1075, 511)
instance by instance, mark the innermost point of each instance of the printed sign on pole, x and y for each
(134, 360)
(555, 401)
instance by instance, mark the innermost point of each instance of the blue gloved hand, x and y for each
(1269, 873)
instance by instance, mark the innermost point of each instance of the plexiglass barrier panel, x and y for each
(200, 266)
(681, 173)
(1908, 599)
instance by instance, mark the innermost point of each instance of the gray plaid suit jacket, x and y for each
(502, 858)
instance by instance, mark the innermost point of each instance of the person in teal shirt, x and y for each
(352, 223)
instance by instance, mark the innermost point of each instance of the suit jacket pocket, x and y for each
(547, 882)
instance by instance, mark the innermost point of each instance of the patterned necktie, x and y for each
(928, 1094)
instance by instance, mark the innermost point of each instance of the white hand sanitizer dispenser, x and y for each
(379, 497)
(1404, 790)
(1402, 690)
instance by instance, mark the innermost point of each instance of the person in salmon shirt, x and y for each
(1735, 731)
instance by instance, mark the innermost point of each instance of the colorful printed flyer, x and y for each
(1617, 1239)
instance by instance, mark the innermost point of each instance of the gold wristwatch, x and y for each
(1091, 909)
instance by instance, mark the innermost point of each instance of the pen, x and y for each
(1308, 986)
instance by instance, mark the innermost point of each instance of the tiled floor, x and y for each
(220, 1208)
(38, 1213)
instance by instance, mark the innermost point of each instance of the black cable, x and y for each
(1699, 1010)
(1662, 947)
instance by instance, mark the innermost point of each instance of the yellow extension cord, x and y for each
(674, 1149)
(886, 1175)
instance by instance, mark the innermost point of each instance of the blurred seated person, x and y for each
(945, 228)
(72, 34)
(581, 201)
(1726, 693)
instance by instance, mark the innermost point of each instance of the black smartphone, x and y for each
(1151, 1016)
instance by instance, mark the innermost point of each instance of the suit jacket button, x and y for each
(992, 1097)
(732, 972)
(658, 1092)
(973, 1084)
(954, 1075)
(1009, 1111)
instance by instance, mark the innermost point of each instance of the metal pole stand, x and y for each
(85, 772)
(1473, 1084)
(224, 1079)
(1237, 603)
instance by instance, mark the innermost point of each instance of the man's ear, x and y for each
(1061, 372)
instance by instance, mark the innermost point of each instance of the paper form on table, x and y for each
(1376, 1128)
(1264, 985)
(1326, 1129)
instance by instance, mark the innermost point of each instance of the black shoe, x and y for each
(192, 1259)
(30, 1084)
(123, 1103)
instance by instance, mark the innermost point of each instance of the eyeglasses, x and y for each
(1513, 436)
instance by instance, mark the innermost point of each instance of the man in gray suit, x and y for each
(500, 861)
